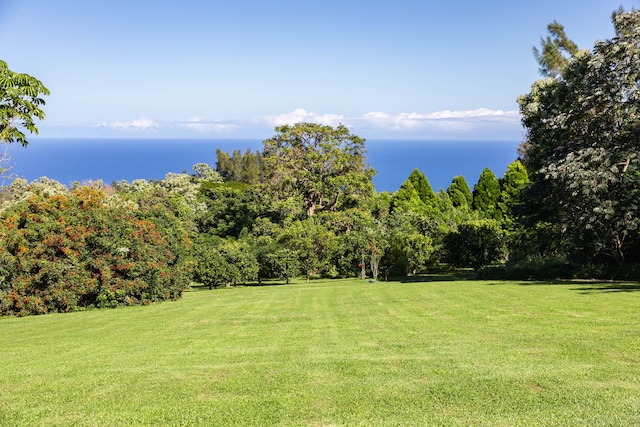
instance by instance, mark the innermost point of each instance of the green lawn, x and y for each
(334, 353)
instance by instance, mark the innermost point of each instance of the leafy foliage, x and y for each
(247, 168)
(475, 243)
(20, 104)
(66, 252)
(313, 243)
(415, 194)
(582, 133)
(230, 208)
(411, 245)
(324, 165)
(511, 185)
(486, 194)
(460, 193)
(555, 51)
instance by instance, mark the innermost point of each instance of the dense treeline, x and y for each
(306, 206)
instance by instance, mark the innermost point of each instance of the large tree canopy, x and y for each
(583, 130)
(324, 165)
(20, 104)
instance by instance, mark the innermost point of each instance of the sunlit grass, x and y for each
(334, 353)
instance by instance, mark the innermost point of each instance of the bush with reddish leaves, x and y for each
(68, 252)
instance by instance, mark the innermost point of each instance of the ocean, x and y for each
(80, 160)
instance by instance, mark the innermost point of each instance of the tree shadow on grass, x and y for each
(583, 286)
(608, 287)
(450, 277)
(197, 287)
(264, 284)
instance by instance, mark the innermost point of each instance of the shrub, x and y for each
(66, 252)
(476, 243)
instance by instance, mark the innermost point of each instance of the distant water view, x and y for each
(79, 160)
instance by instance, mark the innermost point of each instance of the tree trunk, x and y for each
(311, 209)
(617, 252)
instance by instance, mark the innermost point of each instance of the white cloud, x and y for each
(141, 123)
(301, 115)
(377, 115)
(478, 113)
(446, 119)
(203, 125)
(477, 123)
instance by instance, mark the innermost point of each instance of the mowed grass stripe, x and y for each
(342, 352)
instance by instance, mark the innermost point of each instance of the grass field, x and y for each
(334, 353)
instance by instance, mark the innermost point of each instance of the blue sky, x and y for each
(236, 69)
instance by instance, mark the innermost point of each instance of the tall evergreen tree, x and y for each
(514, 180)
(486, 194)
(555, 51)
(247, 168)
(460, 193)
(407, 198)
(223, 165)
(423, 187)
(415, 194)
(252, 167)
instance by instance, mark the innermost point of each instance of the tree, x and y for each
(514, 180)
(360, 239)
(224, 262)
(312, 242)
(412, 252)
(242, 264)
(460, 193)
(224, 166)
(486, 194)
(246, 168)
(410, 245)
(205, 172)
(582, 133)
(324, 165)
(415, 194)
(423, 187)
(211, 267)
(20, 104)
(284, 264)
(274, 261)
(475, 243)
(377, 251)
(252, 167)
(407, 199)
(555, 51)
(230, 208)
